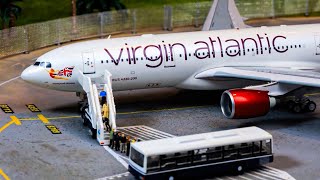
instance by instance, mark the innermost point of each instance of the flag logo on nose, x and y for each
(63, 74)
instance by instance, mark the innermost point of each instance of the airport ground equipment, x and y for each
(92, 108)
(201, 155)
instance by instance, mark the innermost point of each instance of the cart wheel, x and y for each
(239, 169)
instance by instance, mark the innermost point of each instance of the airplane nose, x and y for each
(33, 74)
(26, 75)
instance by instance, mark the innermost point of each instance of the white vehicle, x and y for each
(201, 154)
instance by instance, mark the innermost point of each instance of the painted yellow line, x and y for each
(43, 119)
(4, 175)
(158, 110)
(64, 117)
(313, 94)
(29, 119)
(14, 120)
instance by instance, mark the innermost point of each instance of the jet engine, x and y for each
(246, 103)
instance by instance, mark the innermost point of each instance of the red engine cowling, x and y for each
(245, 103)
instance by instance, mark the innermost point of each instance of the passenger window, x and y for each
(153, 162)
(256, 147)
(167, 161)
(200, 155)
(214, 153)
(266, 147)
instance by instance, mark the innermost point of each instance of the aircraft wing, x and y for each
(279, 75)
(223, 15)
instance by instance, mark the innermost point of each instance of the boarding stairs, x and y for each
(93, 116)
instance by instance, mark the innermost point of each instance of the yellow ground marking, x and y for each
(158, 110)
(313, 94)
(58, 117)
(46, 120)
(4, 175)
(43, 119)
(14, 120)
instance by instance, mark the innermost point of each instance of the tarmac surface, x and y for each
(28, 150)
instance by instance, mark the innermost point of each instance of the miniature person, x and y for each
(117, 141)
(123, 143)
(105, 116)
(111, 144)
(114, 138)
(128, 145)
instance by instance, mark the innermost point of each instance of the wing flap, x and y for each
(280, 75)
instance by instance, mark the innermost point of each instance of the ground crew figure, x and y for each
(111, 144)
(114, 138)
(102, 97)
(128, 145)
(133, 140)
(117, 141)
(105, 116)
(123, 143)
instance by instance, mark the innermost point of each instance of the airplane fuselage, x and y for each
(173, 60)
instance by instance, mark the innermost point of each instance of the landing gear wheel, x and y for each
(290, 105)
(297, 108)
(311, 106)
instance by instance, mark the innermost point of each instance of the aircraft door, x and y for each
(169, 61)
(317, 44)
(88, 63)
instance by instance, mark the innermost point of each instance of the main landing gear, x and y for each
(301, 105)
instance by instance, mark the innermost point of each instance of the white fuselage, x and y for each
(172, 60)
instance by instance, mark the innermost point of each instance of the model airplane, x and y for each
(282, 59)
(265, 62)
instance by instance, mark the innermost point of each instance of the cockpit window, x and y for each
(43, 64)
(48, 65)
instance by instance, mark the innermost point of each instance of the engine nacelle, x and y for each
(246, 103)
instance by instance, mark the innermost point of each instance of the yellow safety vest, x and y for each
(105, 109)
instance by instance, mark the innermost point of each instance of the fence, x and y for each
(34, 36)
